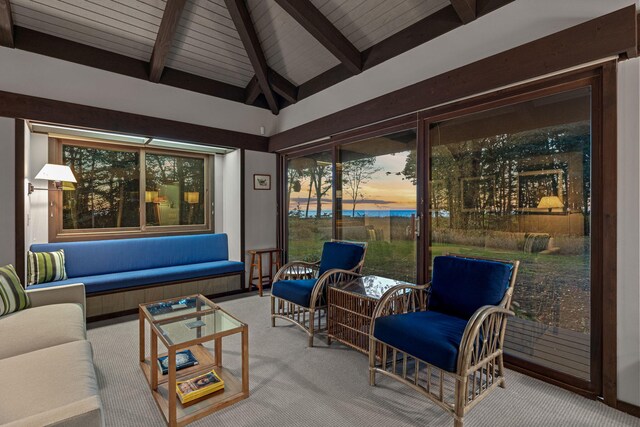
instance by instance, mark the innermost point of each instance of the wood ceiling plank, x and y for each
(466, 10)
(164, 39)
(6, 24)
(325, 32)
(242, 20)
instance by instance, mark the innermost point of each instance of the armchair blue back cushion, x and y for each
(460, 286)
(340, 255)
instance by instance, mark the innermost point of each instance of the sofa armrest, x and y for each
(58, 295)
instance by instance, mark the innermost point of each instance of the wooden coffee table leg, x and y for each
(153, 369)
(218, 351)
(172, 388)
(245, 360)
(141, 326)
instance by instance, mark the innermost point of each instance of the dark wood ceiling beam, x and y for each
(324, 31)
(164, 39)
(56, 47)
(242, 21)
(283, 87)
(6, 24)
(252, 91)
(426, 29)
(613, 34)
(466, 9)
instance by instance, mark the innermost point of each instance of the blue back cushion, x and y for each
(115, 256)
(460, 286)
(340, 255)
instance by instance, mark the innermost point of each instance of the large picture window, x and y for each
(129, 190)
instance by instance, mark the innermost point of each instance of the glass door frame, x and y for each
(601, 79)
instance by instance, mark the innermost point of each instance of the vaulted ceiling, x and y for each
(267, 53)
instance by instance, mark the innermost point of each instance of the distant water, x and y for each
(365, 213)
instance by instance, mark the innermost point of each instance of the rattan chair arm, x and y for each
(472, 331)
(390, 297)
(315, 266)
(334, 275)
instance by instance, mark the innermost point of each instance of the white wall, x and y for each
(629, 232)
(512, 25)
(231, 223)
(7, 192)
(36, 204)
(261, 214)
(37, 75)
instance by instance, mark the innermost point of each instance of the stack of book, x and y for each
(184, 359)
(197, 387)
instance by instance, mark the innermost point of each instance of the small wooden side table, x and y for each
(275, 260)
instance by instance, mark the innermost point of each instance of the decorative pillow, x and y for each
(12, 294)
(44, 267)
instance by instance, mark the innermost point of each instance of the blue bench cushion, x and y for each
(116, 256)
(340, 255)
(430, 336)
(296, 291)
(460, 286)
(128, 279)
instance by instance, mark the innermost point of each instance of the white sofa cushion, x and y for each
(50, 385)
(40, 327)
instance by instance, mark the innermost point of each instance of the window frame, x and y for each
(58, 234)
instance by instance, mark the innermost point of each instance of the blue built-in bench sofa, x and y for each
(120, 274)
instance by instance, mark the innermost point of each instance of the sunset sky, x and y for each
(382, 192)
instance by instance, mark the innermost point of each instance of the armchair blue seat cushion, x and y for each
(340, 255)
(460, 286)
(128, 279)
(295, 291)
(428, 335)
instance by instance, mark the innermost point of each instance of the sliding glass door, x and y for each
(376, 201)
(515, 182)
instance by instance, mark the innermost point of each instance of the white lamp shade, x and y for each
(61, 173)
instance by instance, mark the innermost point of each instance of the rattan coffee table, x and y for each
(350, 306)
(187, 323)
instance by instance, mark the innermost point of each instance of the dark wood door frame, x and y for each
(602, 79)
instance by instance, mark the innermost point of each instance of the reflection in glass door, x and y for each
(376, 202)
(514, 182)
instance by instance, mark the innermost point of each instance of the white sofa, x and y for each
(47, 377)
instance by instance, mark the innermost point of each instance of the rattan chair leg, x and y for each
(311, 326)
(372, 362)
(460, 400)
(273, 311)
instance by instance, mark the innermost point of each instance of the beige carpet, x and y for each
(292, 385)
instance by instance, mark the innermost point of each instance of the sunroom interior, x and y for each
(302, 177)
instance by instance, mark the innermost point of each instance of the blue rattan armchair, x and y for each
(445, 339)
(298, 293)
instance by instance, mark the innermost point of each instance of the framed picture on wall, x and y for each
(541, 191)
(261, 182)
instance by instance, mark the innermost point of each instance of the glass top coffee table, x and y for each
(350, 306)
(186, 323)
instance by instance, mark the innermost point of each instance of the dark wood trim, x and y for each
(164, 39)
(243, 192)
(426, 29)
(628, 408)
(319, 26)
(609, 232)
(283, 87)
(252, 91)
(609, 35)
(6, 24)
(20, 195)
(466, 9)
(283, 206)
(48, 110)
(377, 129)
(78, 53)
(242, 21)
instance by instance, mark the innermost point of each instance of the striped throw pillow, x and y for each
(44, 267)
(12, 294)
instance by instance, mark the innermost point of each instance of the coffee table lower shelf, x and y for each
(194, 410)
